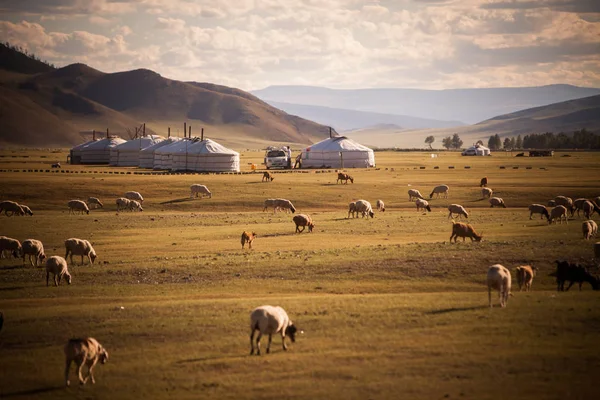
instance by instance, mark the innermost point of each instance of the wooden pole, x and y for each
(169, 132)
(184, 130)
(94, 134)
(190, 130)
(144, 130)
(107, 134)
(202, 134)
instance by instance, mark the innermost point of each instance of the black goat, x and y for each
(572, 273)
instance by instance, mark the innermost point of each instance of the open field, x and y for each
(389, 308)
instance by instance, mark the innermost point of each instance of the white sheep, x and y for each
(95, 202)
(269, 203)
(441, 189)
(135, 205)
(414, 194)
(486, 192)
(539, 209)
(589, 209)
(78, 205)
(380, 205)
(12, 207)
(26, 209)
(122, 203)
(589, 228)
(364, 207)
(269, 320)
(80, 247)
(497, 202)
(35, 248)
(284, 204)
(58, 267)
(565, 201)
(352, 210)
(11, 245)
(134, 196)
(560, 213)
(457, 209)
(197, 189)
(422, 204)
(498, 278)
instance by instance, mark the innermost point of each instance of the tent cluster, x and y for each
(155, 152)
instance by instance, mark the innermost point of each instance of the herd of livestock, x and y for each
(268, 320)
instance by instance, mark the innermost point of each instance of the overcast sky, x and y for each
(251, 44)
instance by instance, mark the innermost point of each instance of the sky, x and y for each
(349, 44)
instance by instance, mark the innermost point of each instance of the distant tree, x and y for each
(494, 142)
(429, 140)
(456, 142)
(506, 143)
(513, 143)
(447, 142)
(519, 143)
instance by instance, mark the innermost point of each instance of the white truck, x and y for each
(276, 158)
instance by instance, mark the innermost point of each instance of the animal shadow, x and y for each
(183, 200)
(455, 309)
(31, 392)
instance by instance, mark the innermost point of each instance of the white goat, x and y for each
(197, 189)
(80, 247)
(269, 320)
(441, 189)
(498, 278)
(364, 207)
(457, 209)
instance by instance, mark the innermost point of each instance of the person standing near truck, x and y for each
(289, 154)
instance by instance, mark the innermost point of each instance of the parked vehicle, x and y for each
(276, 159)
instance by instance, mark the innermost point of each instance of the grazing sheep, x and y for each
(572, 273)
(269, 203)
(78, 205)
(58, 267)
(269, 320)
(464, 231)
(551, 203)
(95, 202)
(498, 278)
(80, 247)
(567, 202)
(84, 351)
(497, 202)
(26, 209)
(414, 194)
(525, 274)
(578, 204)
(122, 203)
(589, 228)
(344, 177)
(56, 165)
(442, 189)
(380, 205)
(267, 176)
(12, 207)
(483, 182)
(11, 245)
(248, 237)
(589, 208)
(134, 196)
(284, 204)
(486, 192)
(457, 209)
(33, 247)
(134, 205)
(422, 204)
(197, 189)
(558, 212)
(364, 207)
(303, 220)
(352, 210)
(539, 209)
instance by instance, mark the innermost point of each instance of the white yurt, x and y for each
(163, 156)
(75, 152)
(99, 151)
(332, 152)
(476, 150)
(206, 156)
(147, 154)
(128, 154)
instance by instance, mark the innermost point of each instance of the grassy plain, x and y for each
(390, 309)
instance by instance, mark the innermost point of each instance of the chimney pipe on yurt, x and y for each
(190, 131)
(184, 130)
(202, 134)
(144, 130)
(107, 134)
(169, 132)
(94, 134)
(330, 133)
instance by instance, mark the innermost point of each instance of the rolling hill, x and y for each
(51, 107)
(566, 116)
(467, 105)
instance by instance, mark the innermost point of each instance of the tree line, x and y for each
(25, 52)
(582, 139)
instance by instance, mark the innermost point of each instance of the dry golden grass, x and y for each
(389, 307)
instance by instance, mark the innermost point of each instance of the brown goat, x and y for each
(464, 231)
(483, 182)
(525, 274)
(248, 237)
(344, 177)
(267, 176)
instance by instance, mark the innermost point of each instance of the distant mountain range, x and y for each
(566, 116)
(44, 106)
(468, 106)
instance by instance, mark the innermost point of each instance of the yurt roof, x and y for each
(175, 147)
(140, 143)
(478, 146)
(105, 143)
(208, 146)
(162, 143)
(338, 143)
(82, 145)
